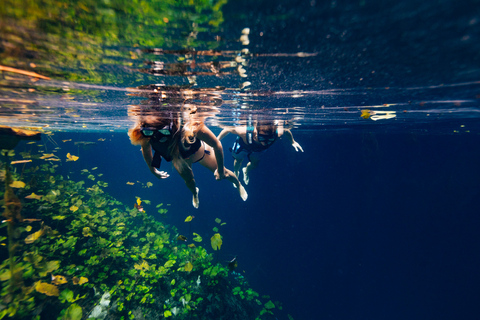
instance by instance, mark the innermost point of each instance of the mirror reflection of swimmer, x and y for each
(183, 145)
(252, 140)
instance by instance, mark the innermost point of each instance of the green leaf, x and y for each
(66, 296)
(74, 312)
(169, 263)
(197, 237)
(216, 241)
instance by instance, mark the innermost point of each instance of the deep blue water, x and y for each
(362, 225)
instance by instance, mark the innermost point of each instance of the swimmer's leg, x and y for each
(195, 201)
(249, 167)
(230, 176)
(237, 164)
(186, 173)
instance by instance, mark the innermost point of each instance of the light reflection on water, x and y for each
(105, 108)
(231, 76)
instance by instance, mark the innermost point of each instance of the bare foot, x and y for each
(243, 192)
(195, 200)
(246, 179)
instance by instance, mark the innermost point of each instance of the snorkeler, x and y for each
(252, 141)
(182, 145)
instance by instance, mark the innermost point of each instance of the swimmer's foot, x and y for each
(195, 200)
(237, 173)
(246, 179)
(243, 192)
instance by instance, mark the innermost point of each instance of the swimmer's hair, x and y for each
(190, 130)
(136, 137)
(268, 128)
(149, 121)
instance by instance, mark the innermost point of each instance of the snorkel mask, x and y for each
(161, 135)
(267, 139)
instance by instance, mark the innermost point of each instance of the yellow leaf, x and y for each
(20, 161)
(58, 280)
(48, 289)
(139, 202)
(87, 232)
(80, 281)
(142, 266)
(216, 241)
(33, 196)
(188, 266)
(83, 280)
(73, 208)
(130, 183)
(28, 228)
(34, 236)
(45, 156)
(71, 157)
(189, 218)
(191, 245)
(365, 114)
(17, 184)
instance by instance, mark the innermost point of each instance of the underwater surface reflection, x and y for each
(315, 65)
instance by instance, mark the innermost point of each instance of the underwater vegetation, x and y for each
(51, 36)
(74, 252)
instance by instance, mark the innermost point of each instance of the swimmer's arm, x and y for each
(209, 138)
(289, 136)
(148, 157)
(226, 131)
(223, 134)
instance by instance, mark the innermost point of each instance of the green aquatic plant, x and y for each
(216, 241)
(24, 273)
(75, 249)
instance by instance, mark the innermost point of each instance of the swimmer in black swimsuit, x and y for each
(183, 145)
(252, 141)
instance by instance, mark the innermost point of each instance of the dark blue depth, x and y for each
(362, 225)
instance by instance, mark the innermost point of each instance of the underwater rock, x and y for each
(101, 309)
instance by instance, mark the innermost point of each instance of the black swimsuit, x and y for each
(187, 149)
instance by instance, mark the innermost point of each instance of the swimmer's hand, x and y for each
(297, 146)
(160, 174)
(219, 176)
